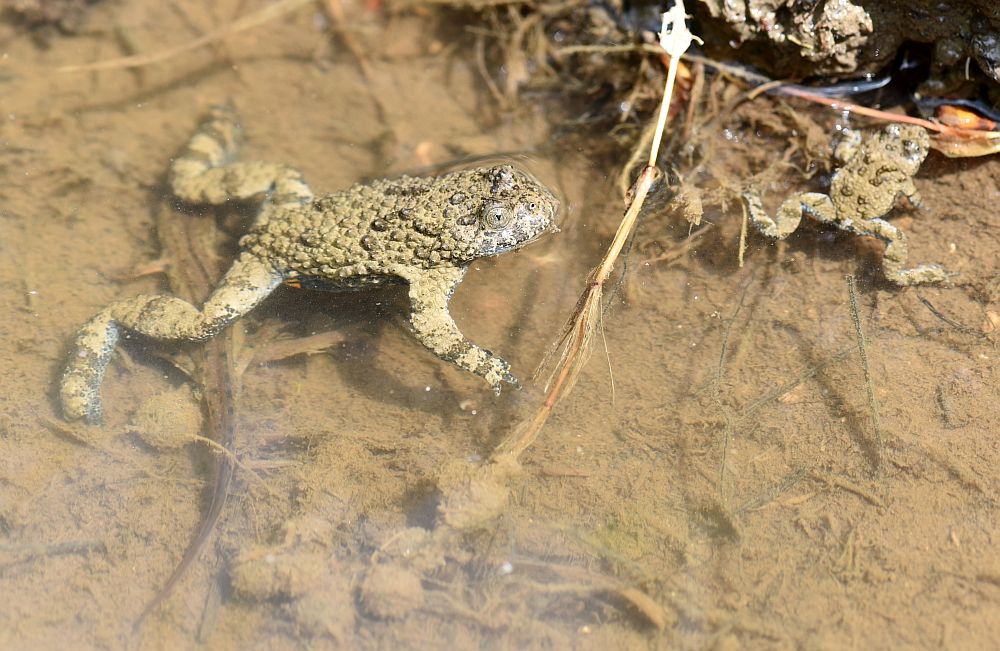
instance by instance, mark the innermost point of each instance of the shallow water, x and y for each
(713, 480)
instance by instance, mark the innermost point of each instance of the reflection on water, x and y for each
(714, 479)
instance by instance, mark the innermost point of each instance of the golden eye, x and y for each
(495, 217)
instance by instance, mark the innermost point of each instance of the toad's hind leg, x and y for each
(205, 172)
(820, 207)
(246, 283)
(896, 253)
(788, 217)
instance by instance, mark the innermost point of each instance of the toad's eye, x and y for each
(532, 206)
(495, 217)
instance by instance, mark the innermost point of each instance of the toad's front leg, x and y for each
(246, 283)
(430, 290)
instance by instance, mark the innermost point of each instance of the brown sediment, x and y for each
(615, 531)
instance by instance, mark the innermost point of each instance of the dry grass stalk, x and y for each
(574, 345)
(253, 19)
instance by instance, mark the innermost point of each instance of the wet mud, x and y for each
(716, 479)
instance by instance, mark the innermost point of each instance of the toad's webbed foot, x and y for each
(433, 326)
(246, 283)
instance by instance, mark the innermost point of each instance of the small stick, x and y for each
(954, 324)
(195, 271)
(863, 353)
(221, 449)
(717, 388)
(743, 233)
(848, 486)
(253, 19)
(28, 551)
(806, 374)
(335, 11)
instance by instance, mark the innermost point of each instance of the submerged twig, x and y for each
(954, 324)
(849, 486)
(280, 349)
(28, 551)
(223, 450)
(675, 252)
(806, 374)
(727, 413)
(249, 21)
(863, 354)
(744, 221)
(335, 11)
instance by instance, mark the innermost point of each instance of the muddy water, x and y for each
(714, 480)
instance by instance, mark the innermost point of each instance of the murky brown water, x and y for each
(725, 490)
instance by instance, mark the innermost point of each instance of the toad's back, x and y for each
(373, 228)
(420, 223)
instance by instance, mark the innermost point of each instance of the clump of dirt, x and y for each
(300, 575)
(391, 592)
(264, 574)
(166, 420)
(471, 498)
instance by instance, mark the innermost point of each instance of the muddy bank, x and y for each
(849, 37)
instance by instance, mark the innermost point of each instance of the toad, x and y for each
(423, 232)
(873, 173)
